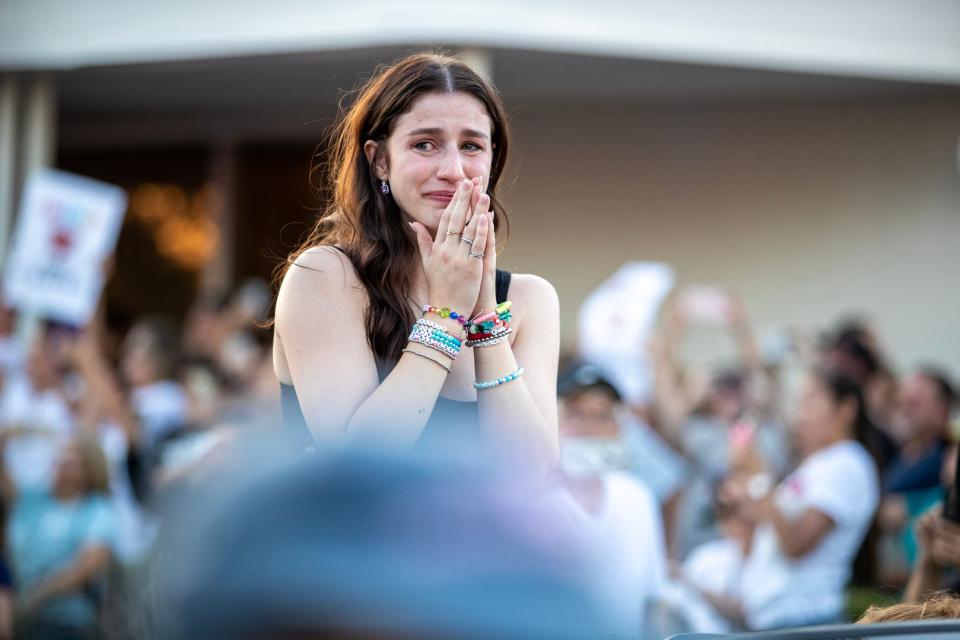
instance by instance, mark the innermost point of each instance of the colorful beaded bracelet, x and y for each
(486, 322)
(444, 312)
(496, 383)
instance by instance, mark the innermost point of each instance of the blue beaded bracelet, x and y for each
(496, 383)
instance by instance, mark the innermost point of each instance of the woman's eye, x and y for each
(424, 145)
(472, 146)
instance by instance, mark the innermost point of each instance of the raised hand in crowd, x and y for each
(938, 542)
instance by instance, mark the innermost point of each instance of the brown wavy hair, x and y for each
(367, 225)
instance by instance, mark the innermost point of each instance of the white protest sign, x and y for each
(616, 322)
(67, 227)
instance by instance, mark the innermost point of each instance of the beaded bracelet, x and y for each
(496, 383)
(486, 322)
(435, 339)
(489, 340)
(446, 313)
(436, 325)
(423, 355)
(438, 331)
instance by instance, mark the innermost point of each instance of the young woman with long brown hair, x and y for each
(391, 320)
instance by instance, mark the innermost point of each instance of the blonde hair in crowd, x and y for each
(938, 607)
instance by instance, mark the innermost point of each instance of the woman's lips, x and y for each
(440, 197)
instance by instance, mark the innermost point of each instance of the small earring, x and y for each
(384, 187)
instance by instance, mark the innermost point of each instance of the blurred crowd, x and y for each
(760, 494)
(96, 427)
(796, 485)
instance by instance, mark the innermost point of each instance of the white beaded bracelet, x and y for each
(496, 383)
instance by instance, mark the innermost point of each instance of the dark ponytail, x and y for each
(842, 388)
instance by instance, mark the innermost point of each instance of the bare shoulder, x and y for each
(320, 265)
(528, 290)
(319, 276)
(320, 284)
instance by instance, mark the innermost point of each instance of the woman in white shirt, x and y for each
(810, 528)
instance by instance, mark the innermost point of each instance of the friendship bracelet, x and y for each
(486, 322)
(435, 334)
(501, 310)
(427, 341)
(496, 383)
(436, 325)
(481, 335)
(446, 313)
(489, 341)
(423, 355)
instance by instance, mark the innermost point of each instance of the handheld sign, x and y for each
(67, 227)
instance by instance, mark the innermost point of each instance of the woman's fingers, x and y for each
(475, 199)
(469, 233)
(491, 246)
(480, 238)
(458, 213)
(424, 241)
(444, 223)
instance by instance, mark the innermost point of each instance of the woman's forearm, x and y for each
(509, 413)
(400, 407)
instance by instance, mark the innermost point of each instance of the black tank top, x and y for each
(449, 419)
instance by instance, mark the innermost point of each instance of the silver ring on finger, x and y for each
(469, 242)
(476, 255)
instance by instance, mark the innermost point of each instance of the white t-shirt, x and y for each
(842, 482)
(31, 459)
(715, 567)
(627, 538)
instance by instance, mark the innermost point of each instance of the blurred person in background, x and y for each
(912, 482)
(587, 395)
(854, 350)
(809, 529)
(706, 587)
(937, 560)
(104, 411)
(356, 544)
(61, 542)
(371, 312)
(699, 412)
(204, 327)
(36, 412)
(148, 362)
(620, 513)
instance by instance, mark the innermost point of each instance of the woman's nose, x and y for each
(451, 167)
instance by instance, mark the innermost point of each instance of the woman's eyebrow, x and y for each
(436, 131)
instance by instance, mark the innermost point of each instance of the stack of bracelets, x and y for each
(485, 330)
(490, 328)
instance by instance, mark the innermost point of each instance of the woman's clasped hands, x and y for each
(460, 261)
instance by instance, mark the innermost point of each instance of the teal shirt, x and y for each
(46, 535)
